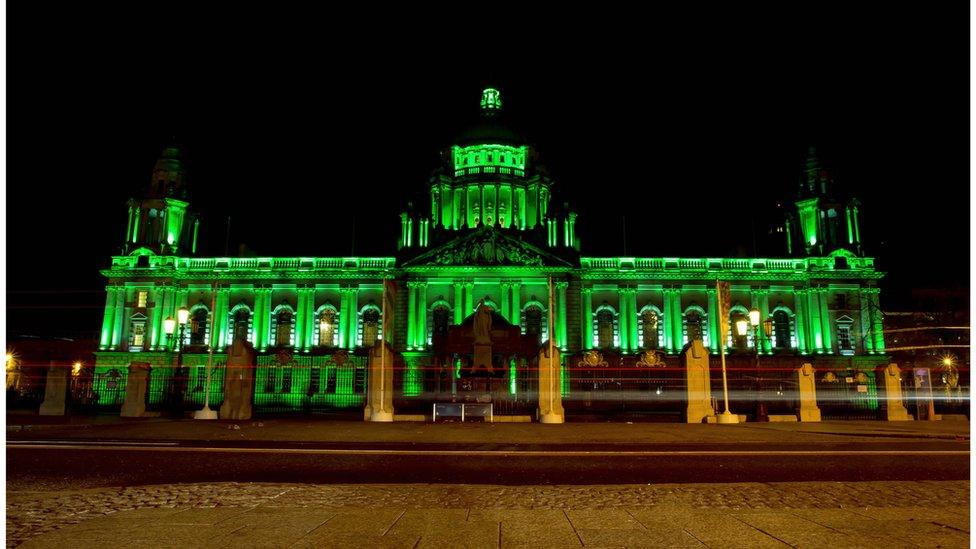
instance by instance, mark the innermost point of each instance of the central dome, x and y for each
(491, 129)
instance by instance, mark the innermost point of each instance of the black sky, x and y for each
(692, 125)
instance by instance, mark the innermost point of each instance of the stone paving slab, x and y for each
(866, 514)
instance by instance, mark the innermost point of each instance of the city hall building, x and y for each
(492, 236)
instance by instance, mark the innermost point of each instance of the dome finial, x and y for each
(491, 102)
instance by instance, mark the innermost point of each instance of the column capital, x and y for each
(711, 291)
(760, 290)
(561, 285)
(586, 290)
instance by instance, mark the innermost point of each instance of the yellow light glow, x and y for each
(76, 368)
(741, 326)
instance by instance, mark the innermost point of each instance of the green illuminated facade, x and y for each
(491, 234)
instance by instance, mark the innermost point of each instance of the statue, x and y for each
(482, 324)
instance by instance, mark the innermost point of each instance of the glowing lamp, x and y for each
(183, 314)
(741, 327)
(768, 326)
(169, 326)
(947, 361)
(76, 368)
(754, 317)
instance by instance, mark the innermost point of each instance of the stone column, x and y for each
(699, 383)
(55, 391)
(118, 326)
(165, 341)
(896, 410)
(714, 326)
(108, 321)
(586, 317)
(802, 333)
(468, 298)
(632, 322)
(562, 340)
(674, 296)
(877, 326)
(219, 336)
(807, 387)
(867, 335)
(421, 315)
(550, 385)
(505, 288)
(351, 306)
(136, 384)
(379, 384)
(669, 344)
(156, 333)
(262, 317)
(458, 302)
(310, 322)
(411, 315)
(301, 312)
(815, 325)
(516, 289)
(759, 298)
(826, 325)
(624, 319)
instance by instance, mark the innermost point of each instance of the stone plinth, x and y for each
(238, 382)
(379, 386)
(550, 387)
(699, 383)
(136, 384)
(807, 386)
(55, 391)
(893, 400)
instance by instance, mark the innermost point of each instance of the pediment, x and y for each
(487, 246)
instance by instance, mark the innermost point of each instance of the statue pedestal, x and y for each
(482, 357)
(55, 391)
(806, 383)
(135, 390)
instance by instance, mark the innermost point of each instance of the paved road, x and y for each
(96, 463)
(807, 514)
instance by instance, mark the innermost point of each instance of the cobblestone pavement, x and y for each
(838, 514)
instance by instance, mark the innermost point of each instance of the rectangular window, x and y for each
(844, 340)
(138, 334)
(143, 295)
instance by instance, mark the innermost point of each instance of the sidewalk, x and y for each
(297, 430)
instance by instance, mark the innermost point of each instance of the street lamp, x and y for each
(169, 326)
(767, 326)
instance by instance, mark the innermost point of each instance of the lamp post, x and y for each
(767, 330)
(169, 326)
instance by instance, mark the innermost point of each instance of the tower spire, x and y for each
(491, 102)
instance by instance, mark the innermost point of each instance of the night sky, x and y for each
(691, 128)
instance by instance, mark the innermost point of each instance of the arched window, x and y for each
(326, 322)
(198, 327)
(533, 322)
(440, 320)
(369, 326)
(239, 327)
(605, 329)
(283, 326)
(693, 325)
(783, 329)
(649, 328)
(736, 341)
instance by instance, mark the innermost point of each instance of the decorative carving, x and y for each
(651, 359)
(829, 377)
(284, 357)
(861, 377)
(340, 358)
(487, 246)
(592, 359)
(949, 375)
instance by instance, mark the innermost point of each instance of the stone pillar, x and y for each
(866, 328)
(310, 321)
(156, 329)
(699, 383)
(674, 296)
(815, 325)
(301, 312)
(669, 344)
(262, 317)
(55, 391)
(896, 410)
(586, 318)
(802, 333)
(108, 321)
(624, 319)
(118, 327)
(760, 301)
(458, 302)
(550, 387)
(219, 336)
(239, 381)
(825, 323)
(421, 315)
(411, 315)
(379, 381)
(516, 318)
(561, 340)
(877, 326)
(352, 305)
(506, 291)
(468, 298)
(807, 387)
(714, 328)
(136, 384)
(632, 311)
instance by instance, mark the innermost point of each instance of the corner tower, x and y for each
(824, 222)
(159, 221)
